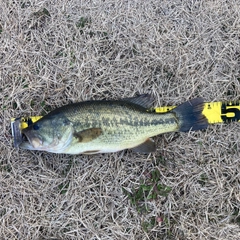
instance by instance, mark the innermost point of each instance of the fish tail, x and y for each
(190, 115)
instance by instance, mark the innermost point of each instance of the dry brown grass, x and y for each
(57, 52)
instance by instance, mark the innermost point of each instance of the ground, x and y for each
(58, 52)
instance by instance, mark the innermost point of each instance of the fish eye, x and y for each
(35, 126)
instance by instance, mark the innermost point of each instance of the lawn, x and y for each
(58, 52)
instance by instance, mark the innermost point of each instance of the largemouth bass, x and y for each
(109, 126)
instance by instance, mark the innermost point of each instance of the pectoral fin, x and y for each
(147, 147)
(88, 134)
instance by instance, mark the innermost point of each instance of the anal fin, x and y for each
(146, 147)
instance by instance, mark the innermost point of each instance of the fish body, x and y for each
(109, 126)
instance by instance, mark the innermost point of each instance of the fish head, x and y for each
(51, 135)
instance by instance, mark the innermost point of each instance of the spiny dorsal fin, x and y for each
(88, 135)
(144, 100)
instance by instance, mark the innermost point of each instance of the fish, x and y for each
(104, 126)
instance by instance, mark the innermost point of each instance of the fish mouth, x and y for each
(30, 141)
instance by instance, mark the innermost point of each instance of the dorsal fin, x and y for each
(144, 100)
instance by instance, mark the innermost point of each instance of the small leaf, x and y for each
(155, 175)
(63, 187)
(83, 21)
(42, 13)
(163, 190)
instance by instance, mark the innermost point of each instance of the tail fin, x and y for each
(190, 115)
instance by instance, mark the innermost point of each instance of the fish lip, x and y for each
(28, 139)
(26, 145)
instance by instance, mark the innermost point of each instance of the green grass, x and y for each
(150, 189)
(63, 187)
